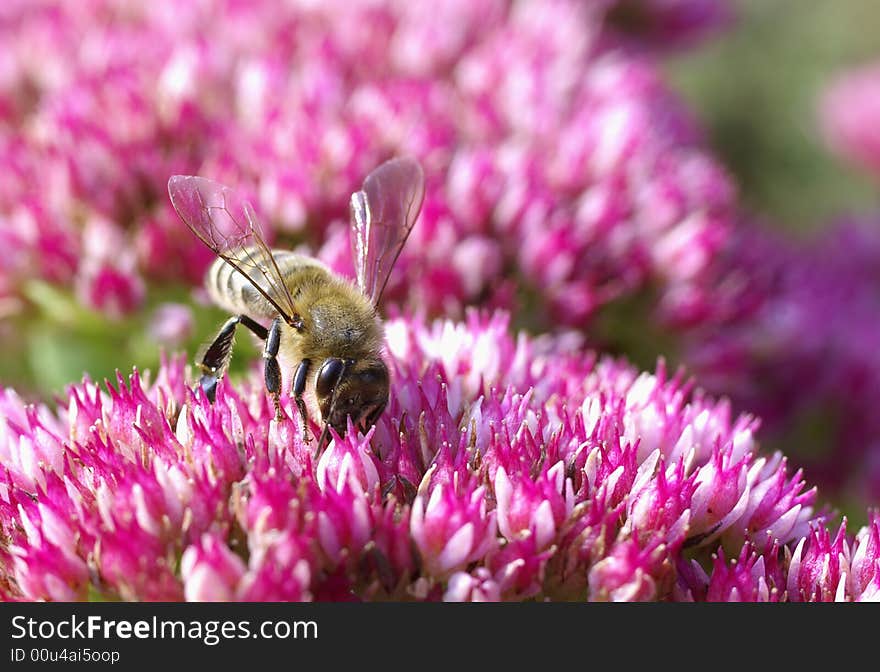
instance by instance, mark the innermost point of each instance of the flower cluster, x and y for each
(849, 110)
(804, 351)
(504, 468)
(820, 569)
(555, 155)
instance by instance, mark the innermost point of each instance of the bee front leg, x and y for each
(218, 354)
(299, 388)
(373, 416)
(324, 440)
(271, 370)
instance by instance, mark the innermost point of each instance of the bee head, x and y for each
(351, 388)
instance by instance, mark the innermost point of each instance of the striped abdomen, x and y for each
(232, 291)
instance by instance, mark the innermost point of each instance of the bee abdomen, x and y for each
(234, 292)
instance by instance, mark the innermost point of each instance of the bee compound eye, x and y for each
(328, 376)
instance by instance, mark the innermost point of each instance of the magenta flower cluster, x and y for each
(802, 346)
(505, 468)
(555, 154)
(562, 174)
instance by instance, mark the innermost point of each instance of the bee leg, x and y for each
(324, 441)
(371, 419)
(299, 388)
(271, 370)
(216, 357)
(259, 330)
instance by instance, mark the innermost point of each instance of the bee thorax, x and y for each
(342, 324)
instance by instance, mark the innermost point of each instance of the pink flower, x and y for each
(754, 576)
(630, 573)
(476, 587)
(450, 530)
(849, 108)
(824, 566)
(819, 567)
(809, 366)
(533, 506)
(210, 571)
(503, 468)
(347, 462)
(278, 571)
(171, 324)
(865, 562)
(554, 152)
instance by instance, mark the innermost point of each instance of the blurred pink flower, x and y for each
(504, 468)
(555, 154)
(798, 346)
(107, 278)
(171, 324)
(849, 109)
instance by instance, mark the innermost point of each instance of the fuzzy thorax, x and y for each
(338, 321)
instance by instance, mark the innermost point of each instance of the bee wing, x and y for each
(228, 226)
(382, 215)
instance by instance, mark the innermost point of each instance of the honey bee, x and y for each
(305, 313)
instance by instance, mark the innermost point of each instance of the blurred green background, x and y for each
(56, 341)
(756, 89)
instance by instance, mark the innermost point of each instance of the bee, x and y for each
(304, 313)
